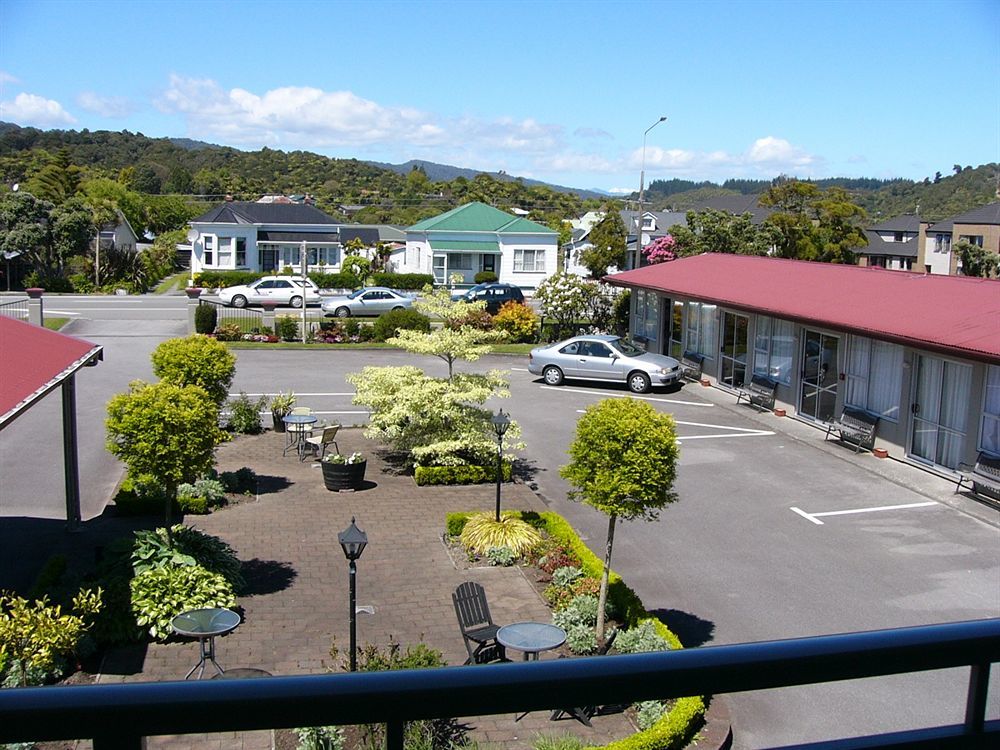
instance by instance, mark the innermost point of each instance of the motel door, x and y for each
(733, 350)
(940, 404)
(818, 385)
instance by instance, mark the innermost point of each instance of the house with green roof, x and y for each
(476, 237)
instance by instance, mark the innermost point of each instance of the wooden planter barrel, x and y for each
(338, 477)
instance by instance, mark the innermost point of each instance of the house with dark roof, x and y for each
(919, 352)
(265, 237)
(893, 244)
(475, 237)
(980, 226)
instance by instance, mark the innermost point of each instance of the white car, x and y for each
(284, 290)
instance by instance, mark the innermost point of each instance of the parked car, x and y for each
(285, 290)
(370, 300)
(605, 358)
(495, 295)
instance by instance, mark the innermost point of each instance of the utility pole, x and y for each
(642, 185)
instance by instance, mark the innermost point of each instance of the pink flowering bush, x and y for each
(661, 249)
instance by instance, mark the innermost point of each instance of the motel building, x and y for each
(920, 352)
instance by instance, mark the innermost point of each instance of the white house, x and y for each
(242, 235)
(476, 237)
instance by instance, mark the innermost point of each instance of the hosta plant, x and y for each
(641, 638)
(582, 610)
(648, 713)
(188, 547)
(581, 639)
(160, 594)
(500, 556)
(483, 531)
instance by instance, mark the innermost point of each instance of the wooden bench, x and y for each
(758, 392)
(983, 478)
(854, 426)
(691, 364)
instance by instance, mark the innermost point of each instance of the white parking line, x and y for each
(612, 394)
(49, 311)
(739, 431)
(814, 517)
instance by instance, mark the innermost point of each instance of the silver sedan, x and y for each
(371, 300)
(604, 358)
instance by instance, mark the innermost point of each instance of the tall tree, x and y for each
(623, 463)
(57, 181)
(608, 245)
(44, 235)
(713, 231)
(976, 261)
(814, 224)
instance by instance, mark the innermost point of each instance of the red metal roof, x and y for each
(955, 315)
(32, 359)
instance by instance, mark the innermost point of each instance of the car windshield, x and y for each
(355, 295)
(626, 347)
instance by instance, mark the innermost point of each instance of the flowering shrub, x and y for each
(260, 338)
(339, 458)
(661, 249)
(517, 320)
(563, 297)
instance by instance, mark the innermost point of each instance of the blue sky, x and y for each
(556, 91)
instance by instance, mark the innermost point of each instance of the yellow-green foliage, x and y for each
(517, 320)
(483, 531)
(35, 635)
(673, 731)
(196, 360)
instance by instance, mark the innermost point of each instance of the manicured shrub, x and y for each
(502, 557)
(471, 317)
(160, 594)
(244, 414)
(485, 277)
(640, 639)
(243, 481)
(581, 639)
(141, 495)
(404, 281)
(388, 324)
(193, 505)
(332, 280)
(196, 360)
(582, 610)
(672, 732)
(200, 496)
(432, 475)
(518, 321)
(286, 327)
(219, 279)
(483, 531)
(205, 318)
(229, 332)
(455, 522)
(648, 713)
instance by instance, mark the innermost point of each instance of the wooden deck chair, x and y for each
(318, 443)
(477, 626)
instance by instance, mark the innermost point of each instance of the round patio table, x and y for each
(531, 638)
(296, 424)
(205, 625)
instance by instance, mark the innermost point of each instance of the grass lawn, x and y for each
(54, 324)
(172, 283)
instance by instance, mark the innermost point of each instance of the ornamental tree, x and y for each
(196, 360)
(167, 430)
(623, 462)
(660, 250)
(609, 243)
(563, 296)
(976, 261)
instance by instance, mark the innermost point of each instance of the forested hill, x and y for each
(934, 198)
(193, 168)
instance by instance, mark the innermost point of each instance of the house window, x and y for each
(529, 260)
(897, 237)
(225, 252)
(874, 376)
(241, 252)
(701, 329)
(208, 255)
(942, 243)
(773, 349)
(460, 262)
(972, 239)
(990, 439)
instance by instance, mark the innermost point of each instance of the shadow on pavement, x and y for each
(266, 576)
(691, 629)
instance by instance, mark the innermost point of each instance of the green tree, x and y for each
(976, 261)
(449, 342)
(46, 236)
(713, 231)
(179, 181)
(564, 298)
(57, 181)
(608, 245)
(166, 430)
(623, 463)
(109, 194)
(196, 360)
(813, 224)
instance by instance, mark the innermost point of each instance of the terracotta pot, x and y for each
(880, 453)
(338, 477)
(706, 382)
(779, 412)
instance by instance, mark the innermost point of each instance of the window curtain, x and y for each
(954, 404)
(991, 412)
(874, 376)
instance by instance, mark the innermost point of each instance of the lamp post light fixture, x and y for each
(353, 541)
(501, 423)
(642, 186)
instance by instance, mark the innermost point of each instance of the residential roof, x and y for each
(269, 236)
(368, 235)
(35, 361)
(988, 214)
(478, 217)
(878, 246)
(904, 223)
(464, 246)
(247, 212)
(955, 315)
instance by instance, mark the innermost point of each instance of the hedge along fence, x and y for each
(676, 727)
(423, 475)
(408, 281)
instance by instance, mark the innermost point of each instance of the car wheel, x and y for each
(295, 302)
(638, 382)
(239, 301)
(343, 312)
(398, 307)
(552, 375)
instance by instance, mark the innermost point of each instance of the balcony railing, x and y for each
(119, 716)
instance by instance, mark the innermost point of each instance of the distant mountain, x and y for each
(446, 173)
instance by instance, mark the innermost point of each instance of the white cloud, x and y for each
(31, 109)
(764, 157)
(6, 77)
(592, 133)
(106, 106)
(777, 151)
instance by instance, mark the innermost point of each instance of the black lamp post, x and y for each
(501, 423)
(353, 541)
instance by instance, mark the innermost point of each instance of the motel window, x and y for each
(529, 260)
(646, 322)
(208, 255)
(990, 440)
(874, 376)
(701, 328)
(774, 349)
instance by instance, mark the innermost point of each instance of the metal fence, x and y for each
(15, 309)
(120, 715)
(248, 320)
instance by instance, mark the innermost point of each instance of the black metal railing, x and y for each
(248, 320)
(17, 308)
(118, 716)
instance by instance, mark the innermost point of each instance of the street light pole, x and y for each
(501, 423)
(353, 541)
(642, 186)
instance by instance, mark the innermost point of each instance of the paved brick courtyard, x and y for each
(298, 599)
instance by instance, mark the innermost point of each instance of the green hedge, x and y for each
(219, 279)
(676, 727)
(403, 280)
(334, 280)
(459, 474)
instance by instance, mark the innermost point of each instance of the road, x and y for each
(730, 562)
